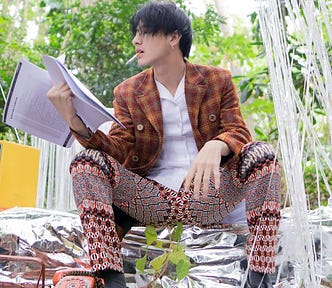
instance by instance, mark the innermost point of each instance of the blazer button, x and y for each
(135, 158)
(212, 118)
(140, 127)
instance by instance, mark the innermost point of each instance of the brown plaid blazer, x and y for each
(213, 108)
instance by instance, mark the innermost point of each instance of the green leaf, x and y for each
(259, 131)
(150, 234)
(178, 247)
(245, 94)
(182, 269)
(273, 131)
(140, 264)
(177, 255)
(319, 111)
(158, 263)
(177, 232)
(159, 244)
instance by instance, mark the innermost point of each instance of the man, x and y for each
(185, 156)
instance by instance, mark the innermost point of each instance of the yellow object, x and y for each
(19, 167)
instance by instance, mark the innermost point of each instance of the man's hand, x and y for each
(205, 166)
(62, 98)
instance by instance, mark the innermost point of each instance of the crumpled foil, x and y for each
(54, 237)
(217, 255)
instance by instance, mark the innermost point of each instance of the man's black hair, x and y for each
(163, 17)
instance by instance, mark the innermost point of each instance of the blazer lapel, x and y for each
(147, 97)
(195, 90)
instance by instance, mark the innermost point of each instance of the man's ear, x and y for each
(174, 38)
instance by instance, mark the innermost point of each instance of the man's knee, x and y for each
(255, 156)
(93, 158)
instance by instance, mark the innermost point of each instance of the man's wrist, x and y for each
(226, 151)
(77, 125)
(224, 148)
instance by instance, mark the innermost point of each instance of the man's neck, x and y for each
(170, 74)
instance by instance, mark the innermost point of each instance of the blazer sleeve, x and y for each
(233, 130)
(118, 141)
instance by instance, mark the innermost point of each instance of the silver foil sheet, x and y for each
(54, 237)
(217, 256)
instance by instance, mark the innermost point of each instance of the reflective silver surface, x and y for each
(53, 236)
(217, 256)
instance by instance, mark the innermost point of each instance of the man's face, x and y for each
(151, 50)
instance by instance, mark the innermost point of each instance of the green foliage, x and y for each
(96, 40)
(255, 93)
(150, 234)
(177, 232)
(316, 184)
(158, 263)
(173, 255)
(207, 25)
(13, 46)
(207, 38)
(182, 268)
(140, 264)
(260, 111)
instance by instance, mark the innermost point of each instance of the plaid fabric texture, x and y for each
(213, 108)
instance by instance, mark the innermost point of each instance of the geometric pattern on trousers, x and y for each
(100, 181)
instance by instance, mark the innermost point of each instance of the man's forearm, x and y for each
(77, 124)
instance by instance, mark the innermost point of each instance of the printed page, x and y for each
(28, 108)
(88, 107)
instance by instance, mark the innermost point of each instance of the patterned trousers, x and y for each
(100, 183)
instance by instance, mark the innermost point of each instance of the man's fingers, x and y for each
(206, 181)
(61, 89)
(189, 178)
(66, 93)
(197, 184)
(216, 174)
(62, 85)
